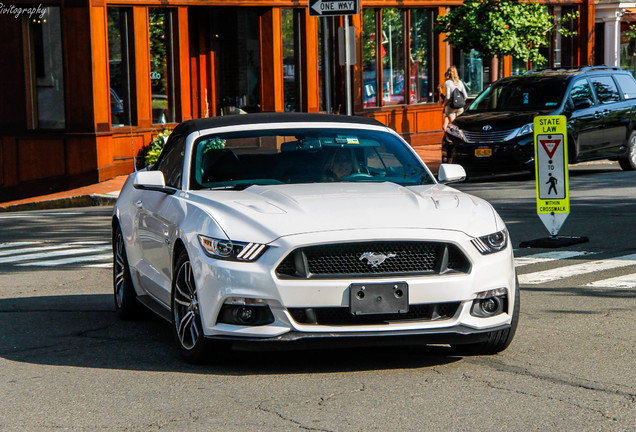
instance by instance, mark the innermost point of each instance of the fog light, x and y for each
(245, 315)
(490, 303)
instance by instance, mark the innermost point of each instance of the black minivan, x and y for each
(495, 133)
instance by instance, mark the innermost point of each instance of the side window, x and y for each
(605, 88)
(627, 85)
(581, 94)
(171, 161)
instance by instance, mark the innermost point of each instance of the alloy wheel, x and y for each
(186, 308)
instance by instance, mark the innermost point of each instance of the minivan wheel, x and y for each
(628, 163)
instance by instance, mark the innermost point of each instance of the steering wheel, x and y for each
(356, 177)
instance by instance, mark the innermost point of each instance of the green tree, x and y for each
(498, 28)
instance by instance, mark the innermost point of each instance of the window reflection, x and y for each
(46, 77)
(161, 65)
(369, 58)
(393, 61)
(119, 34)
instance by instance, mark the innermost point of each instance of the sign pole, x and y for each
(347, 65)
(552, 181)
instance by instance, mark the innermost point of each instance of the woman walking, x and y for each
(455, 100)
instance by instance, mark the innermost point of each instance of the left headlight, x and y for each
(526, 129)
(491, 243)
(230, 250)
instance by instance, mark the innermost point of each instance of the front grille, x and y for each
(479, 137)
(342, 316)
(382, 258)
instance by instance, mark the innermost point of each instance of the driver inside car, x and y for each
(339, 165)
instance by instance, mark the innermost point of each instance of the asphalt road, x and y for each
(67, 363)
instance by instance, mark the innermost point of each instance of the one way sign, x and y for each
(333, 7)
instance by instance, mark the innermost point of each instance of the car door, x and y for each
(614, 115)
(584, 121)
(157, 213)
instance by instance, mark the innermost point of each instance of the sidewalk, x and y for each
(100, 194)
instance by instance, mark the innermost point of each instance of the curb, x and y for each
(92, 200)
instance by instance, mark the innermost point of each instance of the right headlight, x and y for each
(491, 243)
(456, 132)
(231, 251)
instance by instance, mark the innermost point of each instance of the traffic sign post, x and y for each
(333, 7)
(552, 182)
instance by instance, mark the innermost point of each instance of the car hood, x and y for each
(502, 120)
(264, 213)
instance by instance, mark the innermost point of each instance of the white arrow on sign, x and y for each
(333, 6)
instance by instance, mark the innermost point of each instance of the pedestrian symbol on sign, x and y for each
(552, 181)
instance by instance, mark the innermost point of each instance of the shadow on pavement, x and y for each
(83, 331)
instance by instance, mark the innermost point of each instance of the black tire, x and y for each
(497, 340)
(186, 317)
(628, 163)
(126, 305)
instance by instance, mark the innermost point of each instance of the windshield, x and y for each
(538, 94)
(288, 156)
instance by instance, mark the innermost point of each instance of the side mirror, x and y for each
(451, 173)
(151, 180)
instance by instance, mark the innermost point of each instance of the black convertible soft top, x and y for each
(190, 126)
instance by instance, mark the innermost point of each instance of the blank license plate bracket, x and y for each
(378, 298)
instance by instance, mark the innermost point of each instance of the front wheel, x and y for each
(628, 163)
(187, 327)
(497, 340)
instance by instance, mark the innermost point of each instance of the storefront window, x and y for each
(162, 65)
(471, 70)
(393, 61)
(292, 80)
(519, 66)
(422, 37)
(414, 72)
(45, 76)
(119, 56)
(237, 57)
(369, 58)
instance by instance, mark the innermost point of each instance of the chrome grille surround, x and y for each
(486, 137)
(399, 258)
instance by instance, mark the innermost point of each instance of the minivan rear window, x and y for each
(627, 83)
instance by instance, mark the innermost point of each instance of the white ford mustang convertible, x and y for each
(306, 228)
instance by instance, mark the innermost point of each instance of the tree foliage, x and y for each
(502, 27)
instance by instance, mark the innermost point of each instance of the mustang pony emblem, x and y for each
(375, 259)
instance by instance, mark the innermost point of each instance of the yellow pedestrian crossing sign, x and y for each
(551, 170)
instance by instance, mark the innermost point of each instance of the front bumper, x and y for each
(507, 156)
(219, 280)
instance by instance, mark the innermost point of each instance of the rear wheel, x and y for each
(187, 327)
(126, 304)
(628, 163)
(497, 340)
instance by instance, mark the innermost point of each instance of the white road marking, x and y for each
(47, 255)
(17, 252)
(17, 244)
(577, 269)
(103, 265)
(548, 256)
(622, 282)
(73, 260)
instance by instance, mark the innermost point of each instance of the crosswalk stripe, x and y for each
(51, 254)
(577, 269)
(548, 256)
(622, 282)
(17, 244)
(26, 251)
(103, 265)
(73, 260)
